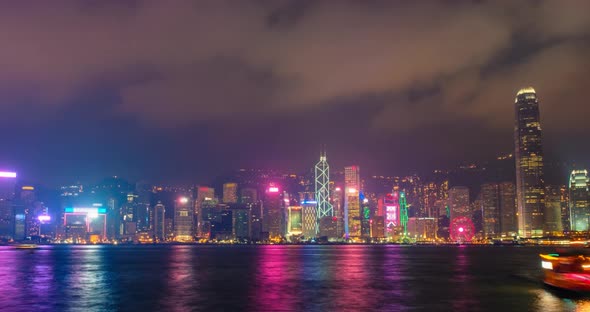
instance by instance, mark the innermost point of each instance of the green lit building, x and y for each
(578, 200)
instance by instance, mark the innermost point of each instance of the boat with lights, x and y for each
(568, 271)
(25, 246)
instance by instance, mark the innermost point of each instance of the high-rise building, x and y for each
(459, 202)
(144, 210)
(322, 188)
(204, 194)
(309, 217)
(366, 214)
(7, 215)
(82, 223)
(169, 226)
(294, 226)
(7, 184)
(222, 223)
(565, 209)
(433, 192)
(255, 221)
(338, 211)
(183, 219)
(241, 221)
(508, 225)
(391, 214)
(579, 200)
(553, 210)
(248, 195)
(159, 222)
(230, 193)
(352, 208)
(530, 189)
(422, 229)
(378, 227)
(490, 198)
(273, 214)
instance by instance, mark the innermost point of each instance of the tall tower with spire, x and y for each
(530, 188)
(322, 187)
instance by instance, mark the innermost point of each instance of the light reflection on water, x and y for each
(277, 278)
(178, 294)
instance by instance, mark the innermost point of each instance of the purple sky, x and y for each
(181, 90)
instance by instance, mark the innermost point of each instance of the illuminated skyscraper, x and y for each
(459, 202)
(565, 209)
(204, 194)
(403, 213)
(490, 198)
(159, 224)
(392, 214)
(230, 193)
(553, 208)
(530, 190)
(7, 186)
(145, 212)
(273, 214)
(579, 200)
(352, 208)
(294, 225)
(377, 227)
(241, 226)
(248, 196)
(183, 220)
(322, 188)
(507, 192)
(423, 229)
(309, 216)
(366, 215)
(255, 221)
(338, 210)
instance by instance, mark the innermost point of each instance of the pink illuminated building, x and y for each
(391, 209)
(274, 213)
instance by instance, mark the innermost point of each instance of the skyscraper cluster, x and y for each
(322, 205)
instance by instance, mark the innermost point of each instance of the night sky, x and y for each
(180, 91)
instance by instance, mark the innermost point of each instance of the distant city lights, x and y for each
(273, 189)
(7, 174)
(86, 210)
(44, 218)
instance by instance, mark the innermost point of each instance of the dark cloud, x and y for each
(245, 64)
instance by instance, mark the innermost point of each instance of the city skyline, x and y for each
(295, 155)
(299, 208)
(393, 95)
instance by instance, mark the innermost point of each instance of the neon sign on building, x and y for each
(391, 203)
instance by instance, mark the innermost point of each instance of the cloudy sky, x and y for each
(182, 90)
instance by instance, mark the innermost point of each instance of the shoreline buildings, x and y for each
(352, 208)
(579, 208)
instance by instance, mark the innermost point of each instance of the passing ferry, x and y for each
(25, 246)
(568, 271)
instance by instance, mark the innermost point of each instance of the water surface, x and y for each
(277, 278)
